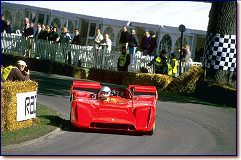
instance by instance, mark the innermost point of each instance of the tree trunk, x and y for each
(222, 22)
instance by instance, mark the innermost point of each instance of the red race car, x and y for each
(131, 109)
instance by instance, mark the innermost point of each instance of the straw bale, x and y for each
(127, 78)
(186, 83)
(3, 112)
(9, 105)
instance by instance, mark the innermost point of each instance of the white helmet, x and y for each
(21, 63)
(105, 92)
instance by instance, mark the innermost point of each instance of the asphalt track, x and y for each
(183, 127)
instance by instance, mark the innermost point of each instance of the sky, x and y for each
(194, 15)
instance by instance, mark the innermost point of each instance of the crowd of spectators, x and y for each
(5, 25)
(128, 41)
(43, 32)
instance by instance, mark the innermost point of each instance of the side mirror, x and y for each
(92, 96)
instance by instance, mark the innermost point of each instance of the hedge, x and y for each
(216, 93)
(44, 65)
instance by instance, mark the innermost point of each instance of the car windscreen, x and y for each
(95, 91)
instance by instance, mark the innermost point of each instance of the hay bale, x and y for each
(127, 78)
(9, 105)
(148, 79)
(186, 83)
(3, 111)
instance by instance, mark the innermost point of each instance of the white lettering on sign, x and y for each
(26, 105)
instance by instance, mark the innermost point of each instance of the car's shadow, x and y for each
(70, 128)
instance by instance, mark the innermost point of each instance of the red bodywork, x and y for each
(132, 113)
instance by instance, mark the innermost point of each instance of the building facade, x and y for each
(168, 37)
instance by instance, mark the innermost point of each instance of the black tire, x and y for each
(72, 128)
(152, 130)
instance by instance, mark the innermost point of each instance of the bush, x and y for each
(216, 93)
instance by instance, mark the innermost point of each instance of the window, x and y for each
(33, 17)
(100, 26)
(7, 15)
(178, 43)
(56, 23)
(18, 20)
(83, 33)
(47, 21)
(110, 32)
(41, 18)
(166, 43)
(140, 33)
(92, 29)
(27, 13)
(70, 27)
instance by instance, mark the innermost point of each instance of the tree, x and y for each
(222, 21)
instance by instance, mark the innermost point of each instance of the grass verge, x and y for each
(49, 121)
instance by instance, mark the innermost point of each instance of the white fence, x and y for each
(72, 54)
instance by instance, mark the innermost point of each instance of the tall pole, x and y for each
(181, 54)
(182, 29)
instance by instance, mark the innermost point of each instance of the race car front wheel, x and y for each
(152, 130)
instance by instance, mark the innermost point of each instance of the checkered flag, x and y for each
(220, 52)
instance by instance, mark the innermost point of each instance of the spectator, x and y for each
(172, 65)
(106, 44)
(8, 27)
(65, 37)
(153, 46)
(48, 33)
(133, 43)
(3, 23)
(124, 60)
(187, 54)
(43, 34)
(65, 40)
(145, 43)
(26, 26)
(124, 38)
(97, 39)
(76, 39)
(38, 31)
(160, 63)
(54, 35)
(51, 29)
(12, 73)
(29, 32)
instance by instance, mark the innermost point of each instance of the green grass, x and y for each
(49, 121)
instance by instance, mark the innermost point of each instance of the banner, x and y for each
(26, 105)
(220, 52)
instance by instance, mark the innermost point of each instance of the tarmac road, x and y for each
(182, 128)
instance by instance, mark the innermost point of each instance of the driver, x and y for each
(105, 95)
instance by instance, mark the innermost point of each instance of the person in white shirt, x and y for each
(188, 54)
(106, 44)
(97, 39)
